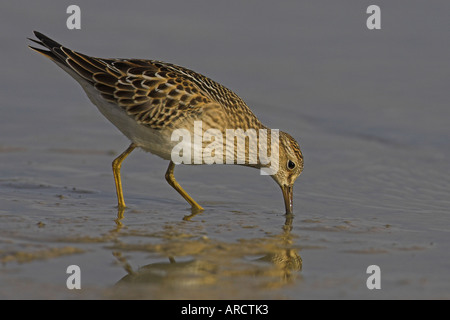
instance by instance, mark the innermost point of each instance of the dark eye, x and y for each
(290, 165)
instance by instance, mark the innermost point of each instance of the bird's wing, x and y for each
(153, 92)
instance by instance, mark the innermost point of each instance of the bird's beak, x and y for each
(287, 195)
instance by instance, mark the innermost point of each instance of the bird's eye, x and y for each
(290, 165)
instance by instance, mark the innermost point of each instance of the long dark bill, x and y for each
(287, 195)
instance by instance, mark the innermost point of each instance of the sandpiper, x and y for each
(147, 100)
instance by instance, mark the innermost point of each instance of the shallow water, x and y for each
(369, 109)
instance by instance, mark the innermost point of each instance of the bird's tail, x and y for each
(83, 66)
(54, 51)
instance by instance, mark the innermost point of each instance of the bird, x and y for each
(151, 100)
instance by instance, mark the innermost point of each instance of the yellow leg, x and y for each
(117, 163)
(118, 221)
(171, 180)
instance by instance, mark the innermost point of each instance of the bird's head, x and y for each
(290, 166)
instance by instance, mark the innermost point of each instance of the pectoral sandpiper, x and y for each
(148, 100)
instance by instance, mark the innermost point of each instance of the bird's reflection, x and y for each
(120, 216)
(286, 258)
(278, 266)
(121, 212)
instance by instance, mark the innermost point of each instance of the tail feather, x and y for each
(66, 58)
(46, 53)
(46, 41)
(54, 51)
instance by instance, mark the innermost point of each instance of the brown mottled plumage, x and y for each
(148, 99)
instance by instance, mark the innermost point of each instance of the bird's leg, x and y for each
(171, 180)
(116, 164)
